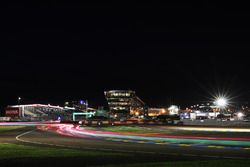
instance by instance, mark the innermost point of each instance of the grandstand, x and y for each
(39, 112)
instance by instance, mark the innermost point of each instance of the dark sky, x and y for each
(182, 53)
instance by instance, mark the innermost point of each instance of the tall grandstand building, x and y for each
(124, 103)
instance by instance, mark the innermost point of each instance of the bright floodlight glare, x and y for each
(221, 102)
(240, 114)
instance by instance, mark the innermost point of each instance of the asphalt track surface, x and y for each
(33, 136)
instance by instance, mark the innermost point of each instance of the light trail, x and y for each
(71, 130)
(27, 123)
(210, 129)
(19, 138)
(78, 132)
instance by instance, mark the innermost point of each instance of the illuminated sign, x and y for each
(12, 112)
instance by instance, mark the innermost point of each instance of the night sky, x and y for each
(168, 53)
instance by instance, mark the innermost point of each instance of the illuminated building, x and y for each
(80, 105)
(124, 104)
(172, 110)
(153, 112)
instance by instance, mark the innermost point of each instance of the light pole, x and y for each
(18, 100)
(87, 105)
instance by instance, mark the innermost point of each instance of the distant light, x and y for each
(240, 115)
(19, 98)
(173, 109)
(221, 102)
(82, 102)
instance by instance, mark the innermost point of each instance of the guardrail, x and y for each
(5, 119)
(107, 122)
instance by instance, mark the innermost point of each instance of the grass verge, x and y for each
(9, 150)
(7, 128)
(213, 163)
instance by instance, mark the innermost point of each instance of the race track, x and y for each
(33, 136)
